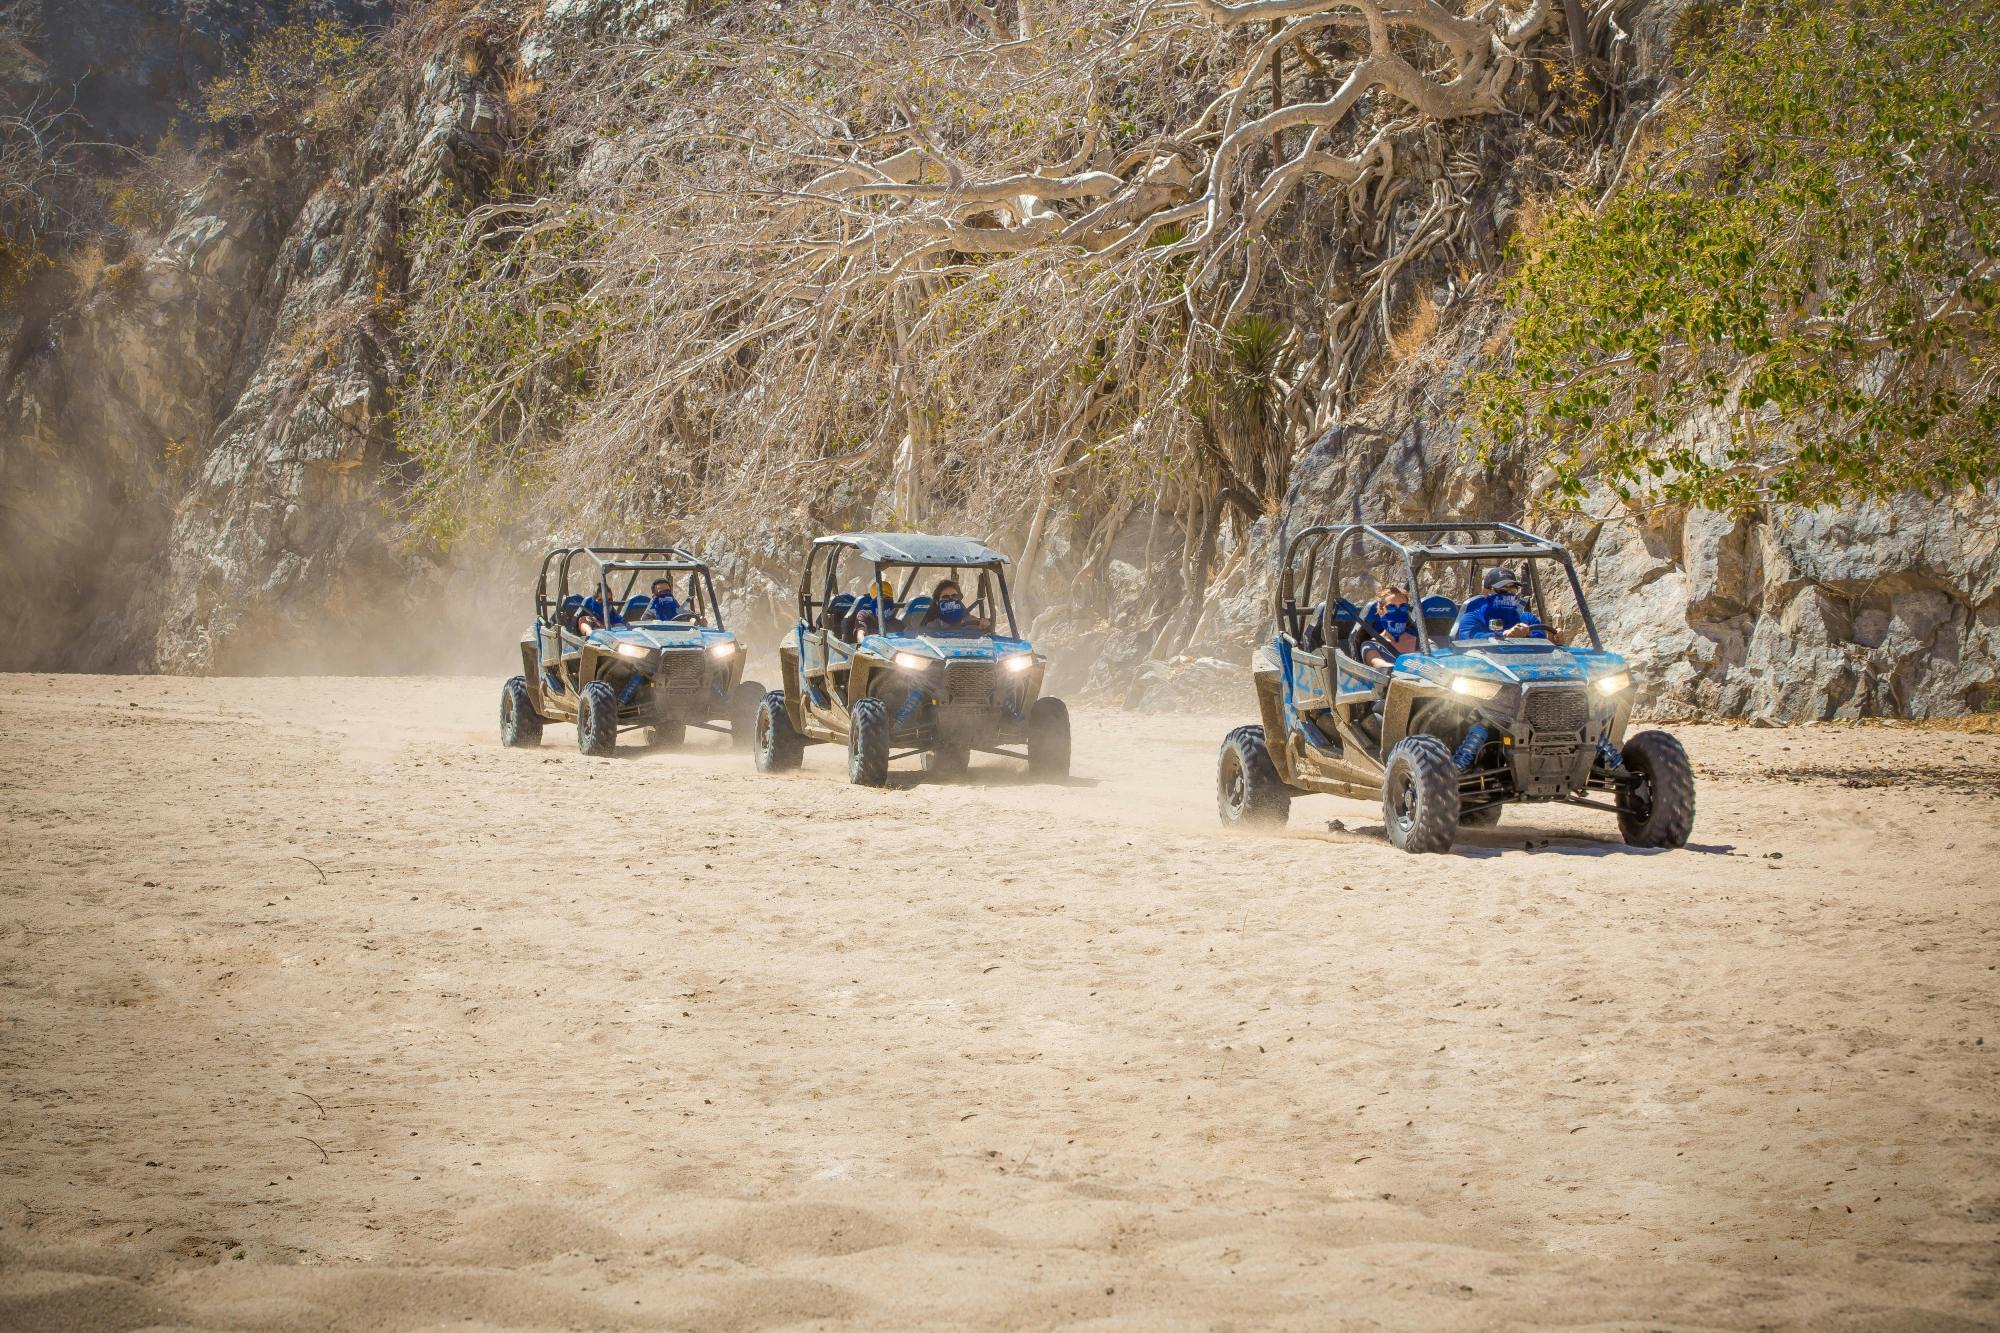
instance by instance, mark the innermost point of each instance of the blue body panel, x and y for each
(971, 648)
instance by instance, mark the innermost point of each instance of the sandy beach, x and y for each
(320, 1010)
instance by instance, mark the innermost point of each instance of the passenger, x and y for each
(948, 610)
(593, 617)
(1386, 626)
(869, 609)
(1500, 613)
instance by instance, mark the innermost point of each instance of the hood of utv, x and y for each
(666, 636)
(1518, 661)
(951, 648)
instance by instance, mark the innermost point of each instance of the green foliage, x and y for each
(294, 78)
(502, 338)
(1811, 249)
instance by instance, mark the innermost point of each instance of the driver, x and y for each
(1387, 626)
(1500, 613)
(948, 610)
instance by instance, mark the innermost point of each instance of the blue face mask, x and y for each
(1507, 600)
(951, 611)
(1395, 619)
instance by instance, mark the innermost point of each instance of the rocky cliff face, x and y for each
(198, 460)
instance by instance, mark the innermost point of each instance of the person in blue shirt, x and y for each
(949, 612)
(665, 605)
(1501, 613)
(1386, 626)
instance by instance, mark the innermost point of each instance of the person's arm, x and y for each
(1472, 621)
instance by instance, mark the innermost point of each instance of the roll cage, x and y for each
(911, 555)
(594, 571)
(1412, 546)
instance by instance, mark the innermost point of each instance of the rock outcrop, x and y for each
(198, 462)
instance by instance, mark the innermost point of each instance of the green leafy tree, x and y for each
(294, 78)
(1809, 247)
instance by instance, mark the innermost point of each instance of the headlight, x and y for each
(1018, 662)
(1475, 687)
(722, 648)
(634, 650)
(1616, 684)
(913, 661)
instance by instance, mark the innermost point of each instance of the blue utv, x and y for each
(882, 664)
(1472, 716)
(606, 652)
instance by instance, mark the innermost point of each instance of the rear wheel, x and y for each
(1657, 810)
(1248, 791)
(597, 720)
(868, 744)
(1048, 739)
(1420, 795)
(743, 705)
(949, 759)
(520, 724)
(776, 744)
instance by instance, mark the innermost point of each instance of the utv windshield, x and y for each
(852, 596)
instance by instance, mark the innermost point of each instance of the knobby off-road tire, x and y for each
(778, 747)
(1420, 795)
(868, 744)
(520, 724)
(1487, 816)
(743, 705)
(1248, 791)
(1048, 739)
(597, 720)
(949, 759)
(1658, 810)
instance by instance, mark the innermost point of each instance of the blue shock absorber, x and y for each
(911, 701)
(632, 684)
(1468, 749)
(1607, 755)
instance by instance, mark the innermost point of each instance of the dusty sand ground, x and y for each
(320, 1010)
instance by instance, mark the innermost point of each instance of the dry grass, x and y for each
(1413, 337)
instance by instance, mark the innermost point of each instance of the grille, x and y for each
(683, 670)
(969, 682)
(1558, 708)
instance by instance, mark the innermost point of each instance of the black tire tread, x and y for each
(1267, 801)
(597, 720)
(1661, 759)
(1048, 739)
(868, 744)
(523, 729)
(778, 747)
(1436, 825)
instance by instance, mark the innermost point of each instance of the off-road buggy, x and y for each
(1453, 732)
(871, 666)
(602, 654)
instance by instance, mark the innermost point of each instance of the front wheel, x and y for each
(1420, 795)
(778, 747)
(744, 702)
(1248, 791)
(868, 744)
(1048, 739)
(597, 720)
(1656, 810)
(520, 724)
